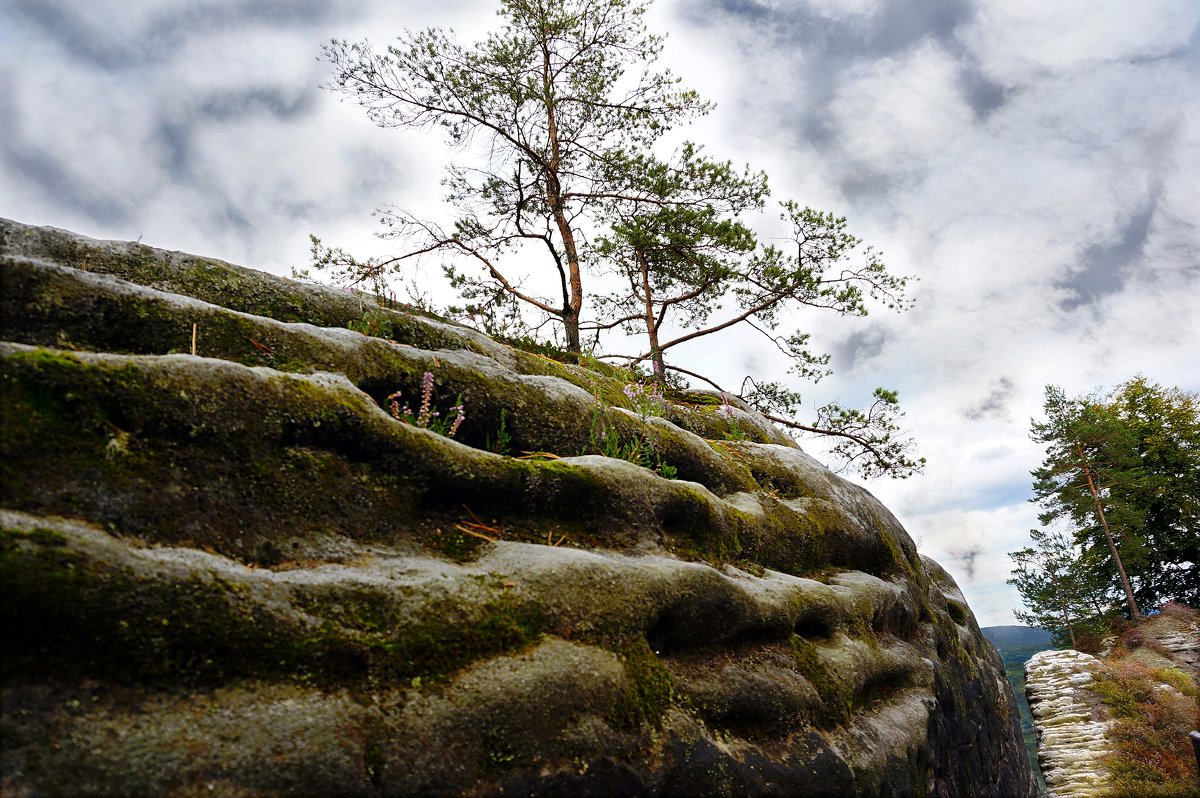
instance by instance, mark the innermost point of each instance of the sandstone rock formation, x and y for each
(1071, 739)
(232, 572)
(1117, 723)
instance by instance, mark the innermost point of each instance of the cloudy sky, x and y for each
(1035, 163)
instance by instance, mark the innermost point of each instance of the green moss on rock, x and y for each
(757, 626)
(71, 614)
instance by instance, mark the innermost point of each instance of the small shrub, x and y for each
(373, 323)
(502, 443)
(1152, 754)
(639, 451)
(1089, 643)
(1177, 679)
(1181, 611)
(426, 416)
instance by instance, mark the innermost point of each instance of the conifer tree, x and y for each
(1089, 455)
(548, 108)
(555, 117)
(1120, 488)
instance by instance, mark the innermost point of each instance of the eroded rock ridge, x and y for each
(231, 571)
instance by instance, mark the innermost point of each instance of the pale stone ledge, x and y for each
(1071, 740)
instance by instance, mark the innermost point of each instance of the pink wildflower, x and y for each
(423, 415)
(725, 409)
(458, 420)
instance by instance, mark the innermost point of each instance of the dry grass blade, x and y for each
(467, 530)
(538, 456)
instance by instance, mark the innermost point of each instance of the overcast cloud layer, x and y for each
(1035, 164)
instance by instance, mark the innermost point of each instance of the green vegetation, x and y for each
(373, 323)
(1120, 492)
(603, 439)
(502, 443)
(1153, 756)
(572, 105)
(650, 690)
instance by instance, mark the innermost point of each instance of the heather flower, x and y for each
(426, 417)
(458, 420)
(725, 409)
(426, 399)
(647, 400)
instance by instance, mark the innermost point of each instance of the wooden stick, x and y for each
(194, 326)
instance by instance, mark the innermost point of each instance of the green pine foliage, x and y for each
(1128, 461)
(555, 118)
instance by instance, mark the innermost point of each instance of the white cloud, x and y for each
(843, 9)
(896, 114)
(1022, 41)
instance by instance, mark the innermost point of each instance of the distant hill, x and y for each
(1014, 636)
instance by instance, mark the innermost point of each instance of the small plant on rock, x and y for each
(502, 443)
(373, 323)
(647, 400)
(426, 417)
(605, 441)
(734, 432)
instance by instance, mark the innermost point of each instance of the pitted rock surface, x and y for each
(1071, 730)
(232, 572)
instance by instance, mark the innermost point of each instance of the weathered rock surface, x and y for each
(1071, 727)
(1184, 644)
(1117, 723)
(232, 573)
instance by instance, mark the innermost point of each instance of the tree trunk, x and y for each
(573, 283)
(1062, 606)
(1112, 547)
(573, 288)
(571, 327)
(573, 306)
(656, 355)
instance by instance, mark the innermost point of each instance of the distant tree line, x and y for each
(1120, 494)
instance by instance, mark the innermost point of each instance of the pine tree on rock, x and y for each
(549, 105)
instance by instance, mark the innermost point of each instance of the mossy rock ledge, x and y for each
(232, 572)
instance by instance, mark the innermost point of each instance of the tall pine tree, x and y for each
(1089, 454)
(1122, 474)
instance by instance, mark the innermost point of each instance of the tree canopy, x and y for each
(1059, 594)
(550, 103)
(1120, 494)
(558, 118)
